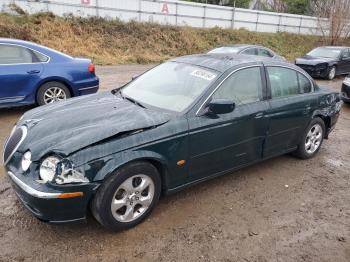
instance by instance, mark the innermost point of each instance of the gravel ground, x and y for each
(283, 209)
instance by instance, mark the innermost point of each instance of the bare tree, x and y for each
(270, 5)
(277, 5)
(333, 18)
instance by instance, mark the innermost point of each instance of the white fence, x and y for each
(175, 13)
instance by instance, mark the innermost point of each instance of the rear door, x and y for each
(230, 140)
(291, 105)
(20, 70)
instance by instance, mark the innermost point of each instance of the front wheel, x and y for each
(127, 197)
(312, 139)
(331, 73)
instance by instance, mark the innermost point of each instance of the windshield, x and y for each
(172, 86)
(325, 52)
(224, 50)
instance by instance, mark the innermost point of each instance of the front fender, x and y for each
(104, 167)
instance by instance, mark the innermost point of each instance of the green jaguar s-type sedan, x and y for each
(187, 120)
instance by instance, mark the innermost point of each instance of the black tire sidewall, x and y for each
(101, 204)
(42, 89)
(301, 148)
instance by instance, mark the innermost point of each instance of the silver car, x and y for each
(246, 50)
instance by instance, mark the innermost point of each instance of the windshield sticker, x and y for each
(203, 74)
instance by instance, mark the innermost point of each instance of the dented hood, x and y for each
(312, 60)
(68, 126)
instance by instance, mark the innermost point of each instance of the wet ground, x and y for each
(283, 209)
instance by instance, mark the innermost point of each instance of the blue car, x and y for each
(34, 74)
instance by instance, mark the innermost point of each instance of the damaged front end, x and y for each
(66, 173)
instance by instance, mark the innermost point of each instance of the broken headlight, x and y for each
(48, 168)
(66, 173)
(60, 171)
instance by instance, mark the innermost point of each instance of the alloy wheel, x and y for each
(332, 73)
(132, 198)
(313, 139)
(54, 94)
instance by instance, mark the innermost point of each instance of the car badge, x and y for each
(32, 122)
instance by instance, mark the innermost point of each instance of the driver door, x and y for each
(218, 143)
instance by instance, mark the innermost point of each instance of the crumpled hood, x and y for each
(311, 60)
(68, 126)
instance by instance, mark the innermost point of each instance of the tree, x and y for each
(237, 3)
(333, 18)
(300, 7)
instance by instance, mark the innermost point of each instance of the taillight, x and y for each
(91, 68)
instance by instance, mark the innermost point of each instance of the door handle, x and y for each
(31, 72)
(259, 115)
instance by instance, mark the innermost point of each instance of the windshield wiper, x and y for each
(132, 100)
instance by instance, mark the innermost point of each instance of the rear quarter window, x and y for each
(41, 57)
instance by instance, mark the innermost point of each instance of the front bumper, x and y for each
(47, 203)
(314, 71)
(345, 93)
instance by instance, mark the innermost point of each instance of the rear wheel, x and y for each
(312, 139)
(52, 92)
(127, 197)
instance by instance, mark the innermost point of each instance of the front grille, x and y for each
(13, 142)
(346, 90)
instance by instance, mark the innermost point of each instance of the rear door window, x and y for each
(10, 54)
(287, 82)
(250, 51)
(264, 52)
(346, 54)
(305, 85)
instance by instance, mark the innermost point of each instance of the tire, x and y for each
(332, 73)
(120, 188)
(56, 90)
(308, 148)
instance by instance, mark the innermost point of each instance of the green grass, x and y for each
(116, 42)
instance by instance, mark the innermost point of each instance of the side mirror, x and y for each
(221, 106)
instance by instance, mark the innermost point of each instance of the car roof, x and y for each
(37, 47)
(242, 46)
(223, 62)
(334, 47)
(17, 41)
